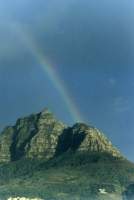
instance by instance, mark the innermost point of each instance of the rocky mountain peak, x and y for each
(42, 136)
(80, 126)
(92, 140)
(47, 113)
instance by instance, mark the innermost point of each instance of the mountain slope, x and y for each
(42, 157)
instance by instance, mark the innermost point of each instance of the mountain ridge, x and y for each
(39, 136)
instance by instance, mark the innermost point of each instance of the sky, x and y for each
(75, 57)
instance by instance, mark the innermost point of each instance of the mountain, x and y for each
(42, 157)
(41, 136)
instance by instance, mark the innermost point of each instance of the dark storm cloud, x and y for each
(79, 33)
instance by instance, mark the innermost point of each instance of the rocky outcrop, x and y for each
(42, 136)
(44, 143)
(92, 140)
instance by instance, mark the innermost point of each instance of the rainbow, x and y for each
(50, 71)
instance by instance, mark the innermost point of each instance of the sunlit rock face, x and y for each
(88, 138)
(42, 136)
(44, 143)
(35, 136)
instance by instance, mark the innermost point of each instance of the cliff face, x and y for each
(44, 143)
(93, 140)
(41, 136)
